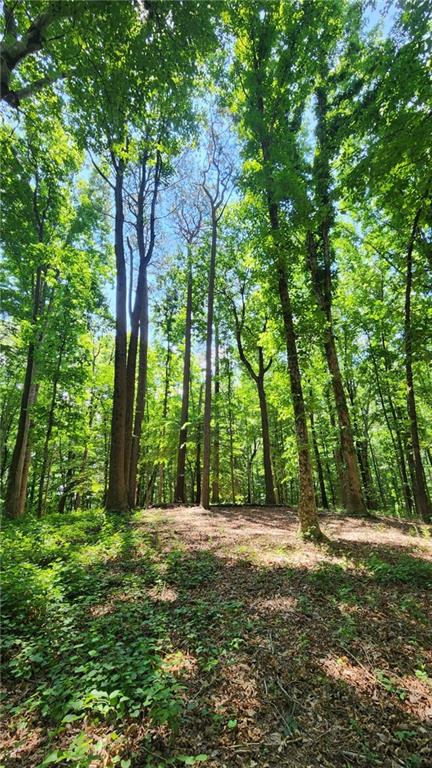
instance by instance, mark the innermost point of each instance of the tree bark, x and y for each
(139, 324)
(116, 499)
(258, 378)
(421, 496)
(205, 485)
(321, 281)
(231, 432)
(307, 510)
(31, 42)
(270, 496)
(161, 491)
(141, 395)
(320, 473)
(50, 423)
(354, 501)
(249, 491)
(17, 478)
(179, 494)
(321, 274)
(395, 436)
(216, 429)
(198, 449)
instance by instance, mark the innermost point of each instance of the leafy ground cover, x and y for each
(183, 637)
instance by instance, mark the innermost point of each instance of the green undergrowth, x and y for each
(85, 637)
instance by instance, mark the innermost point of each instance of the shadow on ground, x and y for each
(320, 659)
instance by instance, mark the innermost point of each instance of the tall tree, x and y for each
(268, 122)
(189, 222)
(217, 185)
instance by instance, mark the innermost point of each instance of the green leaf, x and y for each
(71, 718)
(53, 757)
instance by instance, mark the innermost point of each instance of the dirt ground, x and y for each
(289, 655)
(332, 667)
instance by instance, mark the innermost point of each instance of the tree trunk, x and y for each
(249, 473)
(270, 496)
(138, 319)
(50, 423)
(324, 502)
(17, 478)
(329, 476)
(377, 475)
(205, 486)
(342, 489)
(321, 273)
(179, 493)
(198, 449)
(395, 436)
(354, 503)
(116, 499)
(231, 433)
(307, 510)
(25, 474)
(162, 446)
(216, 430)
(421, 496)
(363, 459)
(258, 378)
(141, 394)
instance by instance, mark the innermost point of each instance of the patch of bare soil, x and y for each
(333, 666)
(290, 655)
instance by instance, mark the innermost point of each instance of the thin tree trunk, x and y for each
(307, 507)
(249, 473)
(116, 498)
(270, 495)
(323, 494)
(377, 475)
(258, 379)
(50, 423)
(329, 475)
(354, 502)
(321, 273)
(17, 479)
(25, 474)
(141, 394)
(179, 493)
(205, 486)
(139, 316)
(216, 428)
(231, 433)
(395, 437)
(342, 490)
(161, 491)
(198, 448)
(307, 511)
(421, 496)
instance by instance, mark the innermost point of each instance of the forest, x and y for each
(215, 383)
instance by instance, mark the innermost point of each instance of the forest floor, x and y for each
(264, 651)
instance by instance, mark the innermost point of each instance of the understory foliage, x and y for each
(114, 627)
(84, 641)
